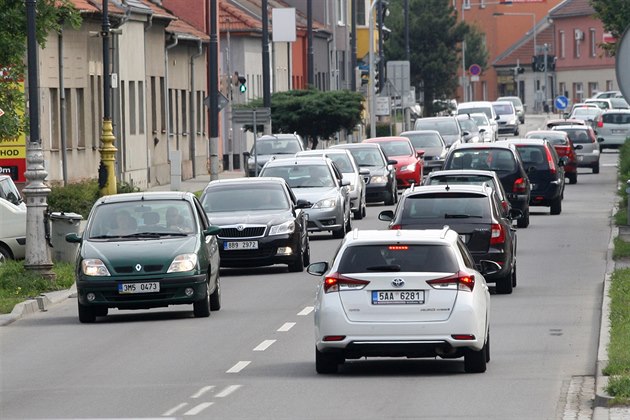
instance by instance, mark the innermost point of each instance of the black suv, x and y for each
(262, 222)
(474, 211)
(545, 171)
(504, 159)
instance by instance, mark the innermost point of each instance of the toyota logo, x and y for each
(138, 267)
(240, 228)
(398, 282)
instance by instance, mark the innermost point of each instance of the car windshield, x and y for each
(233, 198)
(302, 175)
(483, 110)
(276, 147)
(444, 206)
(397, 258)
(368, 157)
(619, 103)
(586, 113)
(482, 158)
(553, 138)
(420, 140)
(577, 136)
(480, 119)
(503, 109)
(342, 160)
(141, 219)
(468, 125)
(461, 179)
(396, 148)
(444, 127)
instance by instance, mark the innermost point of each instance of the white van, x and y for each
(12, 221)
(485, 107)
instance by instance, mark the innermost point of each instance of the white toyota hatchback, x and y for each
(402, 293)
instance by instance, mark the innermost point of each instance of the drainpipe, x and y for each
(167, 106)
(192, 130)
(62, 116)
(121, 153)
(148, 25)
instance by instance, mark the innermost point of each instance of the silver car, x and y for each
(350, 170)
(433, 145)
(508, 120)
(584, 135)
(615, 128)
(518, 106)
(318, 181)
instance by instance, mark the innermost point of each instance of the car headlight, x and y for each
(183, 262)
(325, 203)
(514, 121)
(378, 179)
(286, 227)
(410, 168)
(94, 267)
(596, 152)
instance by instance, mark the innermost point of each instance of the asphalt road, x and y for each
(254, 359)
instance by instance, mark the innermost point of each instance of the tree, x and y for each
(476, 51)
(435, 36)
(51, 15)
(314, 114)
(615, 15)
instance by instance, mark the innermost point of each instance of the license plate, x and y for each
(149, 287)
(580, 158)
(619, 131)
(397, 297)
(231, 246)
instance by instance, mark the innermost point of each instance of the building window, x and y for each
(341, 12)
(466, 4)
(162, 106)
(593, 88)
(154, 95)
(593, 42)
(361, 21)
(69, 137)
(93, 116)
(171, 111)
(140, 108)
(54, 119)
(184, 113)
(562, 87)
(132, 108)
(80, 118)
(609, 85)
(578, 93)
(577, 43)
(561, 36)
(123, 109)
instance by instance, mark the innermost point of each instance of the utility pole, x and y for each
(213, 70)
(265, 57)
(37, 257)
(353, 44)
(407, 50)
(310, 55)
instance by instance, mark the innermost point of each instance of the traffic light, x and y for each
(377, 81)
(242, 86)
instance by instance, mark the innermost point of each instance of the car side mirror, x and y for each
(345, 182)
(364, 171)
(487, 267)
(531, 169)
(392, 162)
(212, 230)
(73, 238)
(317, 268)
(563, 161)
(482, 130)
(386, 215)
(302, 204)
(599, 140)
(578, 146)
(247, 154)
(420, 154)
(515, 214)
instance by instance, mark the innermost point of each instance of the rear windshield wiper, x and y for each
(390, 267)
(460, 216)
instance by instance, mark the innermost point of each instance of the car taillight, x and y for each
(459, 281)
(395, 227)
(336, 282)
(600, 123)
(497, 234)
(520, 186)
(552, 164)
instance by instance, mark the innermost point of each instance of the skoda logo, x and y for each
(138, 267)
(398, 282)
(240, 228)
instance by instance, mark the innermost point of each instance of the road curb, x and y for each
(39, 304)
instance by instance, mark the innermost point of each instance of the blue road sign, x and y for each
(475, 69)
(561, 102)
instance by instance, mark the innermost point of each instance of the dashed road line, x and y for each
(198, 409)
(202, 391)
(286, 327)
(174, 409)
(239, 366)
(264, 345)
(306, 311)
(227, 391)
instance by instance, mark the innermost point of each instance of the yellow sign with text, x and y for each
(15, 152)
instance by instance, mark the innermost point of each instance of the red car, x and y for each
(410, 163)
(564, 147)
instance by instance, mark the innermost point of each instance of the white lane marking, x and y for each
(264, 345)
(286, 327)
(238, 367)
(306, 311)
(227, 391)
(174, 409)
(202, 391)
(609, 164)
(198, 409)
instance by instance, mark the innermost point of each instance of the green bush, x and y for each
(382, 130)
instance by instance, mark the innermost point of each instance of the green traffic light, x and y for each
(242, 88)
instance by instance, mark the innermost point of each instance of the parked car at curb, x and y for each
(351, 171)
(147, 250)
(474, 212)
(262, 222)
(12, 221)
(406, 293)
(545, 170)
(564, 148)
(381, 182)
(409, 161)
(317, 181)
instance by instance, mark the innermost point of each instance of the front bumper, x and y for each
(326, 219)
(277, 249)
(377, 192)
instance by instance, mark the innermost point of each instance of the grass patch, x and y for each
(18, 284)
(622, 248)
(619, 347)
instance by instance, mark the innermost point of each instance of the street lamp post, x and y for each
(371, 93)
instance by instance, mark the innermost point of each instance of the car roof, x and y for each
(322, 152)
(145, 195)
(493, 145)
(420, 132)
(248, 180)
(520, 141)
(279, 136)
(462, 172)
(473, 104)
(617, 111)
(299, 160)
(572, 126)
(385, 139)
(406, 236)
(455, 188)
(355, 146)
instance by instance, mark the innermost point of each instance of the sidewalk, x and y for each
(198, 183)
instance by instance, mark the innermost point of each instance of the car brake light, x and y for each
(552, 164)
(458, 281)
(600, 123)
(520, 186)
(463, 336)
(336, 282)
(497, 234)
(395, 227)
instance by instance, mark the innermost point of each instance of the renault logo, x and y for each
(398, 282)
(240, 228)
(138, 267)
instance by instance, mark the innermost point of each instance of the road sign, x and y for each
(382, 106)
(474, 69)
(398, 73)
(622, 60)
(222, 101)
(561, 102)
(249, 115)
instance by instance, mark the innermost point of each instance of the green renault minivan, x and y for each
(146, 250)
